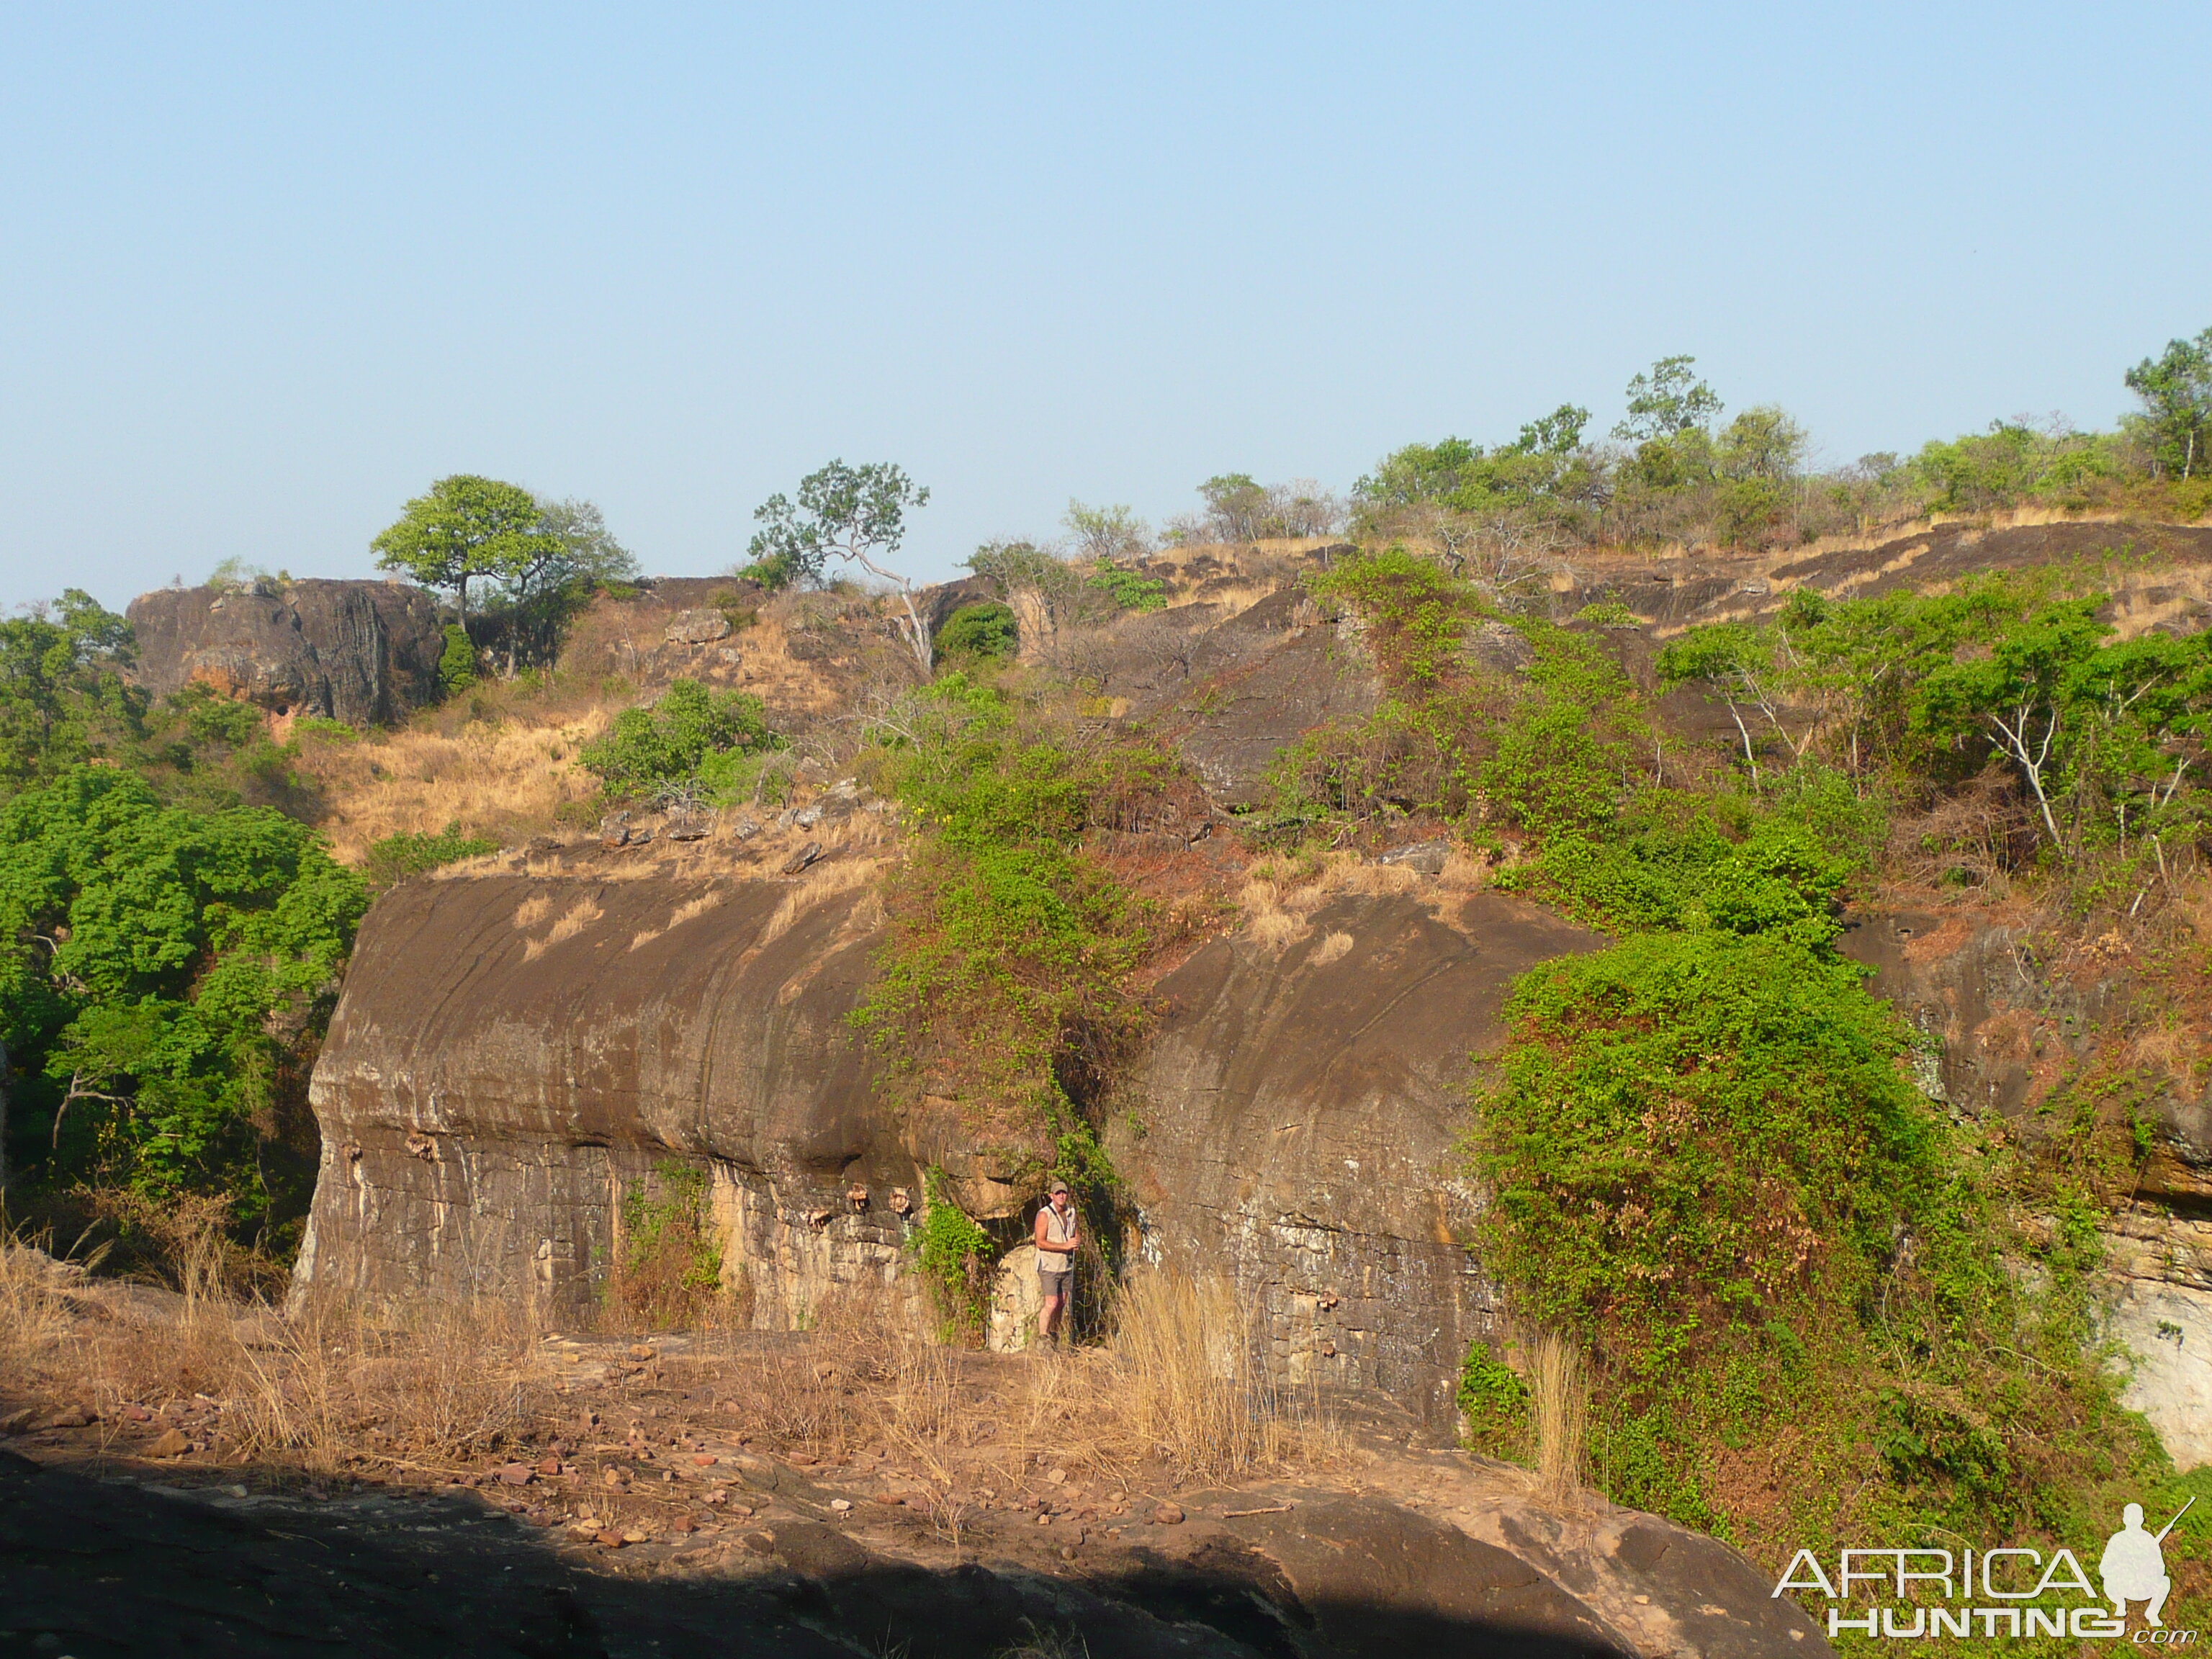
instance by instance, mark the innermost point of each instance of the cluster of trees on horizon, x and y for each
(516, 567)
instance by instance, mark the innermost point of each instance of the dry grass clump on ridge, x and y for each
(508, 780)
(1280, 897)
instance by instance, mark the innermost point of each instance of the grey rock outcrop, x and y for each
(362, 652)
(1258, 682)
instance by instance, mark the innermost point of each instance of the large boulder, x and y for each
(362, 652)
(1301, 1128)
(512, 1052)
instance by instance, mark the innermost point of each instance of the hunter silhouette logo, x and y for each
(2134, 1565)
(2012, 1591)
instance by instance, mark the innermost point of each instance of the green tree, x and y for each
(1236, 504)
(158, 963)
(1668, 402)
(62, 696)
(855, 514)
(546, 576)
(2176, 390)
(466, 529)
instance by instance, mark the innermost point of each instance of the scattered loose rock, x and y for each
(174, 1443)
(1169, 1514)
(1428, 856)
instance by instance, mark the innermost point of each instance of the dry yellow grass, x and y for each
(823, 881)
(507, 779)
(576, 918)
(1560, 1396)
(1279, 897)
(1187, 1386)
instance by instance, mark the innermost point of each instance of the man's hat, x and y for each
(1057, 1187)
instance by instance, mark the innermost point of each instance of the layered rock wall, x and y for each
(1302, 1131)
(512, 1052)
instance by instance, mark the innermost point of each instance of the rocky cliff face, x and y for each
(363, 652)
(1301, 1131)
(512, 1050)
(2005, 1028)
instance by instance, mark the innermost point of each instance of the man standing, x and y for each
(1058, 1237)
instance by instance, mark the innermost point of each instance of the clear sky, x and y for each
(267, 271)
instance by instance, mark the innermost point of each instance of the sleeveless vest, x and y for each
(1058, 1229)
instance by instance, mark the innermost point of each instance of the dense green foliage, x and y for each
(1005, 981)
(692, 739)
(62, 690)
(457, 662)
(983, 633)
(397, 857)
(956, 1257)
(171, 935)
(1695, 1129)
(2105, 738)
(158, 960)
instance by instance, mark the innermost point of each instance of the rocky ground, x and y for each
(636, 1506)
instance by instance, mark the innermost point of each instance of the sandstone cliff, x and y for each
(511, 1050)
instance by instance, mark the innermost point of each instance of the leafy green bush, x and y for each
(671, 1264)
(1492, 1398)
(1129, 590)
(395, 858)
(159, 966)
(457, 663)
(678, 740)
(1707, 1164)
(1005, 978)
(956, 1257)
(984, 632)
(1694, 1128)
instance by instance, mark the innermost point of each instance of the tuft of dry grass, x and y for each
(578, 916)
(1559, 1392)
(1279, 897)
(823, 881)
(35, 1316)
(1188, 1384)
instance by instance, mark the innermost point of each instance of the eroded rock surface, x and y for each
(362, 652)
(512, 1052)
(2005, 1028)
(1303, 1127)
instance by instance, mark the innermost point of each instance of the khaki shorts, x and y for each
(1059, 1284)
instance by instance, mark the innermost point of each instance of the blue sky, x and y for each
(265, 272)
